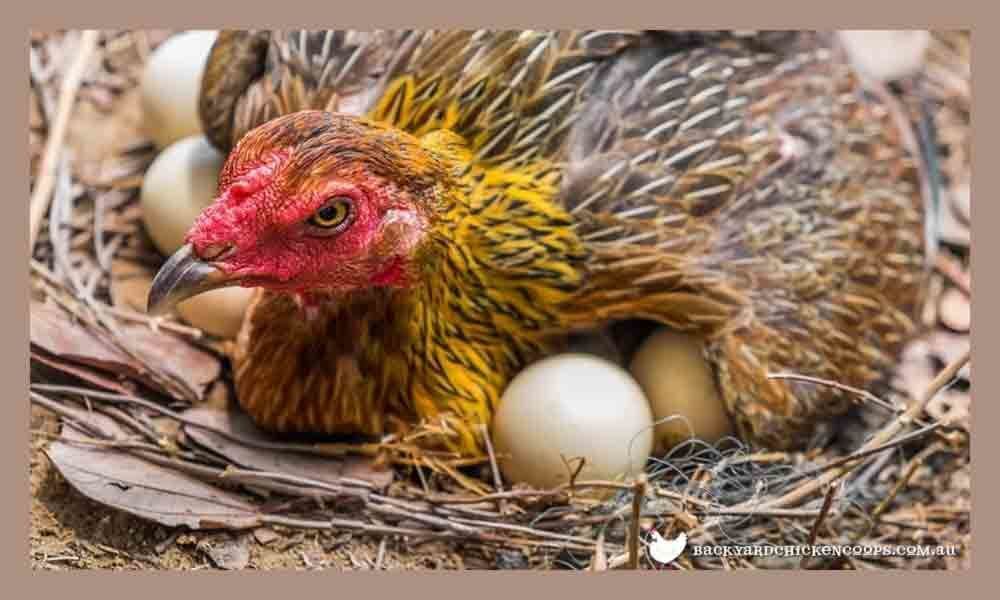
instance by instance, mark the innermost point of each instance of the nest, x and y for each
(146, 424)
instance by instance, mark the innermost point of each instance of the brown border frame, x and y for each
(510, 13)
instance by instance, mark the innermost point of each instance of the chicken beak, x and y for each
(182, 276)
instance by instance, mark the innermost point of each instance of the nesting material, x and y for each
(672, 371)
(570, 406)
(170, 84)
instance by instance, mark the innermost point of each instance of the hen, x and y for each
(464, 200)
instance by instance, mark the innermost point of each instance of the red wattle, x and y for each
(391, 275)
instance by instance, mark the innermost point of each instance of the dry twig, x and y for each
(42, 194)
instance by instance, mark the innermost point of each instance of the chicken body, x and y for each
(752, 194)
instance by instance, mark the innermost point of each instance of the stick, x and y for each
(864, 394)
(814, 533)
(497, 481)
(180, 418)
(381, 554)
(495, 468)
(600, 560)
(903, 481)
(42, 195)
(950, 268)
(633, 541)
(879, 439)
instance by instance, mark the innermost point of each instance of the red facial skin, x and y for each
(258, 232)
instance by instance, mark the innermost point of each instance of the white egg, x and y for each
(886, 55)
(218, 312)
(672, 371)
(569, 406)
(170, 86)
(179, 184)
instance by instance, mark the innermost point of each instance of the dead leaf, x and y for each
(120, 480)
(55, 332)
(227, 552)
(265, 535)
(322, 468)
(197, 368)
(81, 372)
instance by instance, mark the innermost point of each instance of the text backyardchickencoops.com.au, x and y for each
(827, 550)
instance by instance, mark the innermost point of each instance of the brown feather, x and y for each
(748, 190)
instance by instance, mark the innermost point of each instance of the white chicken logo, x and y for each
(665, 551)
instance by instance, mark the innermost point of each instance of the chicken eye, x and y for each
(334, 213)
